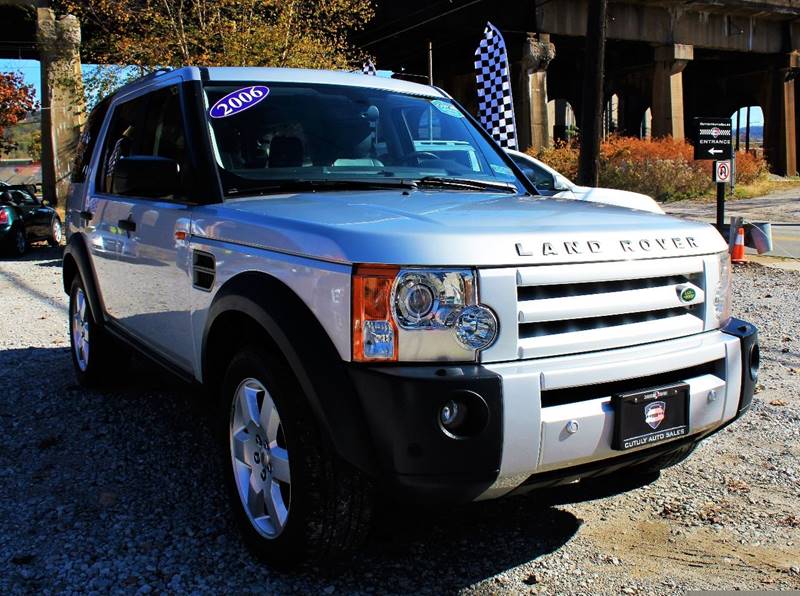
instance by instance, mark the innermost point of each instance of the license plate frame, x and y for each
(636, 413)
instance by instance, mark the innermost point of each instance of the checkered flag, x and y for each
(369, 68)
(495, 106)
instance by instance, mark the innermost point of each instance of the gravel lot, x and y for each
(118, 491)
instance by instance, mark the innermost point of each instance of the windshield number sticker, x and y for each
(238, 101)
(445, 107)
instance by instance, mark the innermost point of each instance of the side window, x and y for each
(147, 126)
(22, 198)
(124, 132)
(86, 143)
(541, 178)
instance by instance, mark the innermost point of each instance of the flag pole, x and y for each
(430, 62)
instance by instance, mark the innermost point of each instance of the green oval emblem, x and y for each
(688, 294)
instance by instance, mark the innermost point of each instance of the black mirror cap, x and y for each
(146, 176)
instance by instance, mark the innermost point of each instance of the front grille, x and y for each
(558, 397)
(569, 309)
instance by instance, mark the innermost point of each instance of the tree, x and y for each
(34, 146)
(147, 34)
(16, 100)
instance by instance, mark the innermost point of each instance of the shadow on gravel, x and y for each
(37, 252)
(139, 501)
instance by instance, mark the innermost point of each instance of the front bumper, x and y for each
(531, 402)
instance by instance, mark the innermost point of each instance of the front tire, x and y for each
(292, 498)
(96, 357)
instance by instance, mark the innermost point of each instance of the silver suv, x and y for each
(380, 302)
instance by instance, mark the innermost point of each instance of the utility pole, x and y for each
(738, 114)
(592, 108)
(747, 130)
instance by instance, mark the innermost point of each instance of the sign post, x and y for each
(712, 140)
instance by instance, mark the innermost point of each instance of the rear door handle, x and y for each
(87, 215)
(127, 225)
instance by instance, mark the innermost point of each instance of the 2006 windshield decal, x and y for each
(238, 101)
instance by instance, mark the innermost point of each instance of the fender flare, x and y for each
(310, 355)
(76, 252)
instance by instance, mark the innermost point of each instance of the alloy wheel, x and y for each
(20, 241)
(80, 330)
(57, 232)
(260, 458)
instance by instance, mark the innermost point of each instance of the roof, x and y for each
(288, 75)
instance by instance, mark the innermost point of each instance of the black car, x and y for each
(24, 218)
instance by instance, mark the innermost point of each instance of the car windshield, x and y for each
(272, 135)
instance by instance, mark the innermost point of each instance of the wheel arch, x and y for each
(257, 307)
(76, 262)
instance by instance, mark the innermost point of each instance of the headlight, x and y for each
(420, 315)
(722, 297)
(431, 299)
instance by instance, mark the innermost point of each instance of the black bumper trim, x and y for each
(401, 405)
(748, 336)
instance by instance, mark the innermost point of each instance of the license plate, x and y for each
(650, 416)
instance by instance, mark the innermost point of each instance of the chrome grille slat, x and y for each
(568, 309)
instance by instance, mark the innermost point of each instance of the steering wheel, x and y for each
(416, 156)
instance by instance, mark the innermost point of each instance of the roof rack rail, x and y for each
(151, 75)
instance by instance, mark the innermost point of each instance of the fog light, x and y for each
(464, 415)
(755, 361)
(449, 413)
(476, 327)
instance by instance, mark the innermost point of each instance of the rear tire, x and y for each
(96, 357)
(56, 232)
(19, 242)
(311, 504)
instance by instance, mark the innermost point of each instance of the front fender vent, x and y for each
(204, 267)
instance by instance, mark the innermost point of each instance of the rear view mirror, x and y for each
(146, 176)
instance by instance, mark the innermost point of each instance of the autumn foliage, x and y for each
(661, 168)
(16, 100)
(151, 33)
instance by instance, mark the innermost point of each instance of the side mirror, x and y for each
(146, 176)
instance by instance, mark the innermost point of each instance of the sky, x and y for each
(30, 70)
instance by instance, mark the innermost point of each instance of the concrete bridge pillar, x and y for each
(667, 107)
(530, 92)
(780, 125)
(63, 110)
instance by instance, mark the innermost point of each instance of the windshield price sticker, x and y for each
(445, 107)
(238, 101)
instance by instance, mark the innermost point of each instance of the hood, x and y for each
(449, 228)
(621, 198)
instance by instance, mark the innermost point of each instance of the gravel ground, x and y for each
(116, 490)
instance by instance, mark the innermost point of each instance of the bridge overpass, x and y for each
(677, 58)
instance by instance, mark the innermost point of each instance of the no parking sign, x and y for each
(722, 171)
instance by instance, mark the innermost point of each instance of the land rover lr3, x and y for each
(373, 314)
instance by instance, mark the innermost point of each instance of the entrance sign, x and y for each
(722, 171)
(712, 138)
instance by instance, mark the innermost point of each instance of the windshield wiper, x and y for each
(299, 184)
(467, 183)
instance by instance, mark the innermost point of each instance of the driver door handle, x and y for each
(127, 225)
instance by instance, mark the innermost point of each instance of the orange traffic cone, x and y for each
(738, 248)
